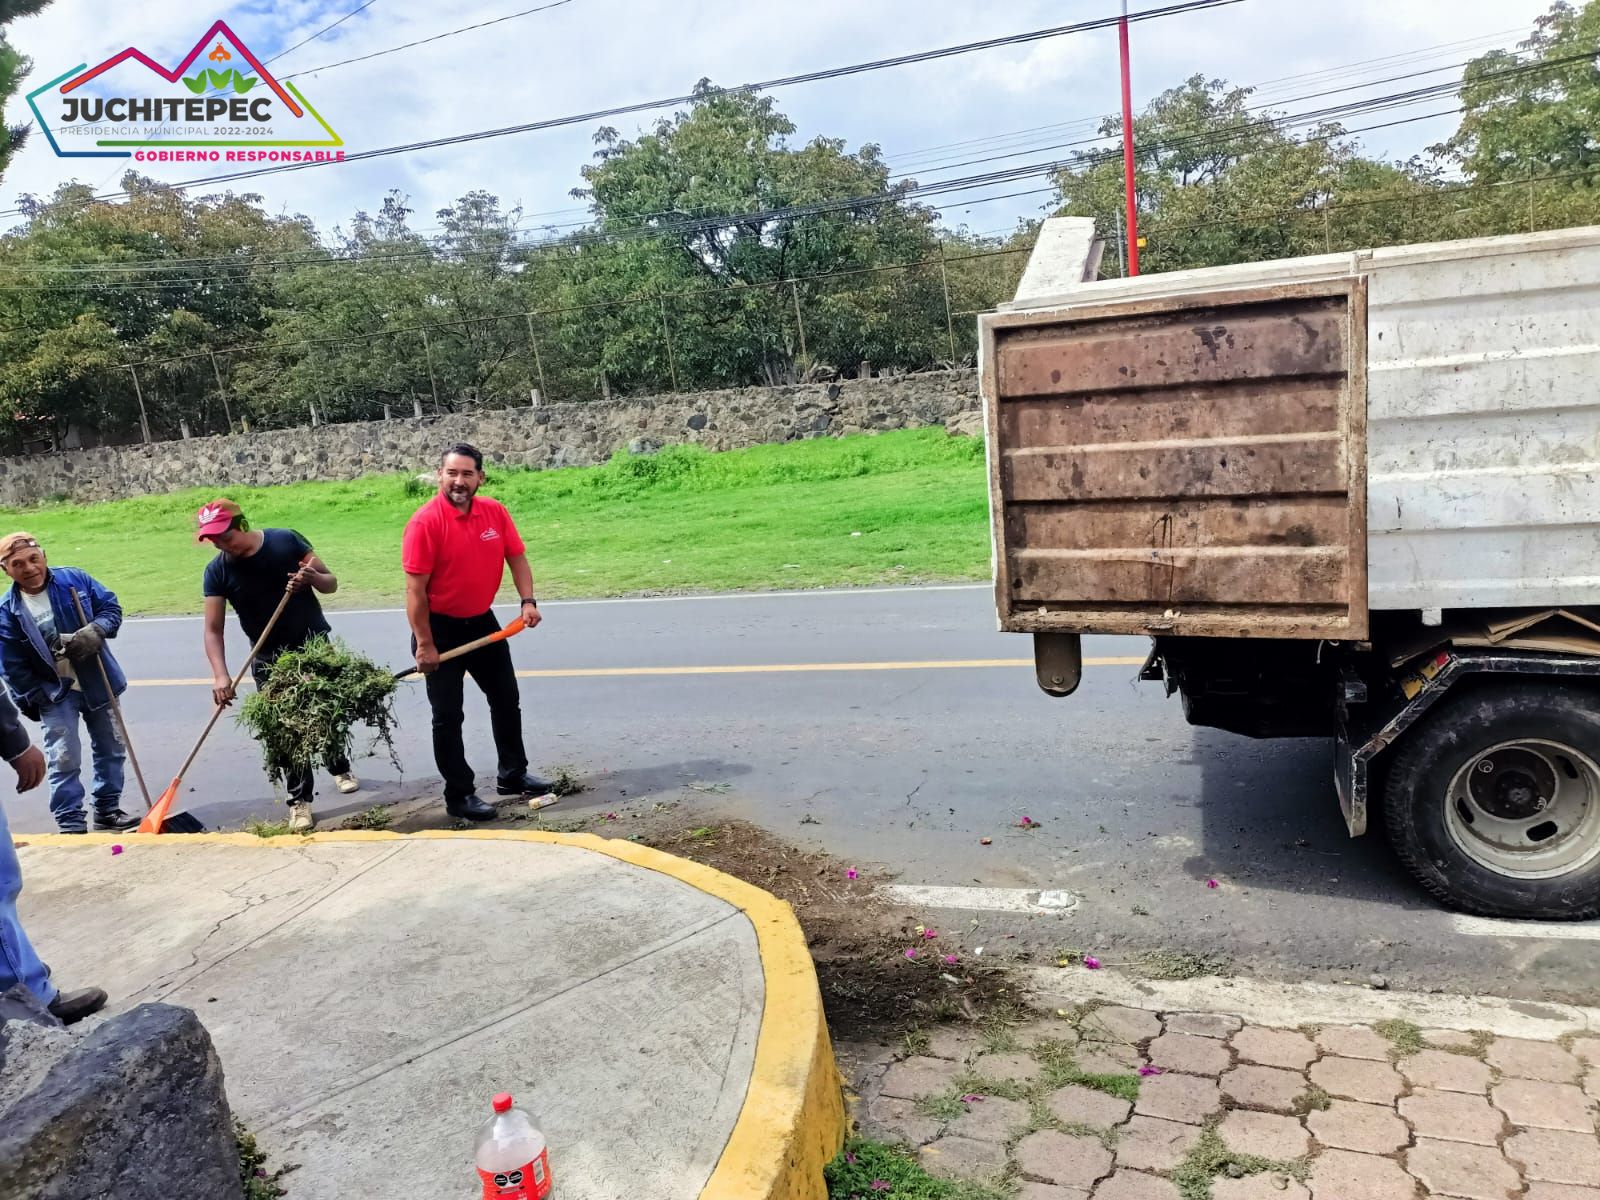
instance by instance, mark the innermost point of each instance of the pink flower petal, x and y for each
(1211, 883)
(1149, 1070)
(949, 960)
(882, 1185)
(850, 1158)
(851, 873)
(1091, 962)
(971, 1098)
(930, 934)
(117, 849)
(911, 952)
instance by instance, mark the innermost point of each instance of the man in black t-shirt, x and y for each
(250, 572)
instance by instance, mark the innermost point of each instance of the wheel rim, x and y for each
(1528, 809)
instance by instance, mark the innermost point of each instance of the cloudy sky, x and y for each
(586, 54)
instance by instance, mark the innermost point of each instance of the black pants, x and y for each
(496, 678)
(299, 779)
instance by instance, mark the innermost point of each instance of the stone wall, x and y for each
(556, 435)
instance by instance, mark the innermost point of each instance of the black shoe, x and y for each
(72, 1007)
(116, 819)
(470, 809)
(64, 829)
(528, 785)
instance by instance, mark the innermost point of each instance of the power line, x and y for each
(1444, 191)
(1241, 218)
(1258, 92)
(438, 37)
(325, 29)
(705, 224)
(1356, 107)
(816, 208)
(928, 156)
(1245, 217)
(1033, 149)
(1353, 108)
(877, 64)
(695, 225)
(652, 297)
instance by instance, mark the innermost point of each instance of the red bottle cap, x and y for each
(502, 1102)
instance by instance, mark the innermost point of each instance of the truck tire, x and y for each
(1493, 801)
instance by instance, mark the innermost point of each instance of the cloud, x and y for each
(593, 53)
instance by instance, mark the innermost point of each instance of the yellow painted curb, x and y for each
(792, 1122)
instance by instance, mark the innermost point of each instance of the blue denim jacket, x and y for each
(25, 660)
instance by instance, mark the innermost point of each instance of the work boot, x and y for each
(470, 808)
(300, 818)
(115, 820)
(347, 782)
(527, 785)
(71, 1007)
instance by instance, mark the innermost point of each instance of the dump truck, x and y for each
(1354, 496)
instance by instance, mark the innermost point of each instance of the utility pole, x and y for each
(1127, 145)
(144, 420)
(222, 391)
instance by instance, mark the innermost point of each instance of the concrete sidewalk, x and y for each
(369, 993)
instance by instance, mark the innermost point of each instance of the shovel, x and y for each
(157, 817)
(512, 628)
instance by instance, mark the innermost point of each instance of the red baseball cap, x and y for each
(215, 517)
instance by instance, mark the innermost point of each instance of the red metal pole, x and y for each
(1127, 146)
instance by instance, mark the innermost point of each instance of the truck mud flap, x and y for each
(1363, 735)
(1058, 662)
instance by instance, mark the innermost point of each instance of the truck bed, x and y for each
(1274, 449)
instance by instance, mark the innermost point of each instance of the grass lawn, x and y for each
(780, 516)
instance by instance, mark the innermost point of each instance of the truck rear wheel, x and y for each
(1493, 802)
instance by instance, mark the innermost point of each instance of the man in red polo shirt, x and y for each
(455, 552)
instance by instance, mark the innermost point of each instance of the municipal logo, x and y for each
(218, 104)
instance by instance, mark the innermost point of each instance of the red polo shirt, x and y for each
(463, 553)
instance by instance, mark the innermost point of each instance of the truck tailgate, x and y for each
(1191, 465)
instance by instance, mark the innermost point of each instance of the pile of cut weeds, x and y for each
(870, 988)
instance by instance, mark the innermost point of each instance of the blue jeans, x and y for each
(18, 961)
(63, 751)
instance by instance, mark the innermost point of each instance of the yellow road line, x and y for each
(749, 669)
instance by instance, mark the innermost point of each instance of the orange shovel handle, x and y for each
(512, 628)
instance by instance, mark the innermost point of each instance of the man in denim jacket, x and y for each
(48, 657)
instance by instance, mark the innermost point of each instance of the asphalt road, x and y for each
(906, 769)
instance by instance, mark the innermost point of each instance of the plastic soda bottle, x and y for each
(513, 1159)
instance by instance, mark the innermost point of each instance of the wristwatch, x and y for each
(530, 600)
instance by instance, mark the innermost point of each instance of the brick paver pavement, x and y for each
(1338, 1112)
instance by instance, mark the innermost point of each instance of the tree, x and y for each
(1527, 141)
(1217, 182)
(703, 204)
(1536, 112)
(346, 335)
(13, 67)
(71, 323)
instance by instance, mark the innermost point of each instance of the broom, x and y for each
(157, 817)
(177, 822)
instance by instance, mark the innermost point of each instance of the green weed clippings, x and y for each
(313, 699)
